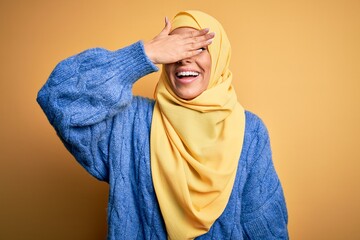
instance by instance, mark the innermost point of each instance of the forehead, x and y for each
(183, 30)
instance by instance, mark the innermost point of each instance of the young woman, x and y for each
(190, 164)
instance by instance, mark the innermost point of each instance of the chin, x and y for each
(186, 95)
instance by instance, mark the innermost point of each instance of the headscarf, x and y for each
(196, 144)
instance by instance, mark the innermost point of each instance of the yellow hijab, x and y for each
(196, 144)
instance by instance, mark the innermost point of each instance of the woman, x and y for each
(192, 163)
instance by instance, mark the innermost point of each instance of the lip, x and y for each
(186, 80)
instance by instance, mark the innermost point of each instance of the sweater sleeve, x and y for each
(264, 213)
(84, 93)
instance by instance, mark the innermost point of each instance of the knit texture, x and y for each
(88, 100)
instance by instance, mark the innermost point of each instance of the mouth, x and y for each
(186, 76)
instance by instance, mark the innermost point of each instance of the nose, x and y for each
(185, 61)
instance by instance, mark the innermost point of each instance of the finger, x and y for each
(167, 24)
(205, 37)
(197, 46)
(200, 39)
(192, 53)
(201, 32)
(199, 42)
(167, 28)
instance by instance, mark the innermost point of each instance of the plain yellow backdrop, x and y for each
(296, 63)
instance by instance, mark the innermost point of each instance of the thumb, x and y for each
(167, 28)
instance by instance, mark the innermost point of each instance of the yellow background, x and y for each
(296, 63)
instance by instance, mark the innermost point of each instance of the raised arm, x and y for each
(82, 95)
(86, 91)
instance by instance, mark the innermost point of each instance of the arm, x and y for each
(82, 95)
(86, 91)
(264, 214)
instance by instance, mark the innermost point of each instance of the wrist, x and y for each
(148, 52)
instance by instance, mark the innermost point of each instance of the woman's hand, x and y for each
(166, 48)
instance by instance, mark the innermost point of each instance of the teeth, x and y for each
(187, 73)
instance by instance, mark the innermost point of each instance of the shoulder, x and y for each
(142, 110)
(256, 139)
(143, 104)
(254, 124)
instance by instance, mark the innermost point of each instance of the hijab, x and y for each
(196, 144)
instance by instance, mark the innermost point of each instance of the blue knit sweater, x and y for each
(88, 100)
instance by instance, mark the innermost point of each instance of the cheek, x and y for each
(206, 62)
(207, 68)
(167, 69)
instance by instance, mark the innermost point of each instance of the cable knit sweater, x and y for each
(88, 100)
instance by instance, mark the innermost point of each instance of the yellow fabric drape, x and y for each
(196, 144)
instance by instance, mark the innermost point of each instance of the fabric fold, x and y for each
(196, 144)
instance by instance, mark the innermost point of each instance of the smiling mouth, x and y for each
(186, 76)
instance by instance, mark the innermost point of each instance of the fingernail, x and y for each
(166, 20)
